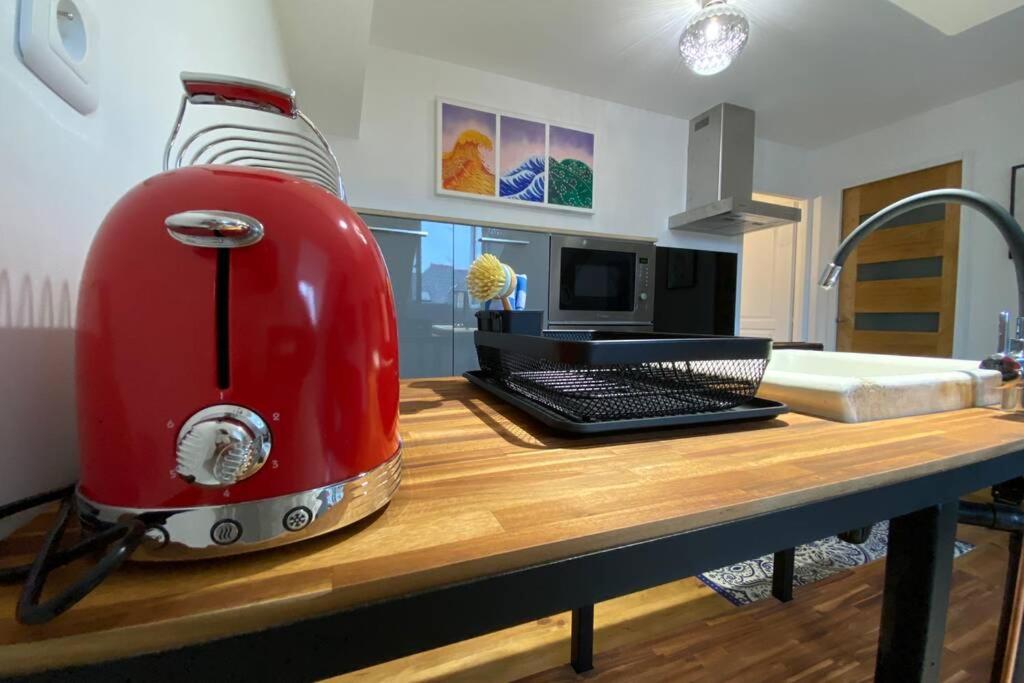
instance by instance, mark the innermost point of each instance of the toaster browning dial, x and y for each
(222, 445)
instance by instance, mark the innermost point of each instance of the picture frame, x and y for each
(493, 155)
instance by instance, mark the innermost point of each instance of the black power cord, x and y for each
(126, 537)
(15, 574)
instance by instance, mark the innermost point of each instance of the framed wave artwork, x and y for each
(486, 154)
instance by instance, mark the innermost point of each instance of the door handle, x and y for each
(396, 231)
(215, 229)
(500, 240)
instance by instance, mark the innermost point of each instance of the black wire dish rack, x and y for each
(594, 381)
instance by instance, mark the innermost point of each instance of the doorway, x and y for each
(897, 292)
(770, 276)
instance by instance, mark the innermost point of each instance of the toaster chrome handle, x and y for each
(215, 229)
(239, 92)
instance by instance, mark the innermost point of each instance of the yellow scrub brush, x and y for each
(488, 278)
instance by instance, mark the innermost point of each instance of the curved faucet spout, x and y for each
(1000, 217)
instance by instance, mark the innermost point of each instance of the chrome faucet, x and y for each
(1003, 346)
(1000, 217)
(1010, 346)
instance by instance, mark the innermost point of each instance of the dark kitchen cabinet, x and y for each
(419, 259)
(524, 251)
(427, 262)
(695, 291)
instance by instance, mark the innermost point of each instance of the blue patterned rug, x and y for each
(750, 581)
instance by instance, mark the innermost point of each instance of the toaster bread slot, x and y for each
(221, 317)
(223, 231)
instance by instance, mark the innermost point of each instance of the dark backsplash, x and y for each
(695, 291)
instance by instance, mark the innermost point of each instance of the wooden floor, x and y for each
(683, 631)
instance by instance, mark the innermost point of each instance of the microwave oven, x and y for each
(601, 283)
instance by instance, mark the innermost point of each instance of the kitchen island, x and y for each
(500, 521)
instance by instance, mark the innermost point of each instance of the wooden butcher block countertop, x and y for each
(486, 489)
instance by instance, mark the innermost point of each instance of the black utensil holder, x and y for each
(510, 322)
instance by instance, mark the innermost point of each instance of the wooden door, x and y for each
(897, 292)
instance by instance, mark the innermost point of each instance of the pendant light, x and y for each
(714, 37)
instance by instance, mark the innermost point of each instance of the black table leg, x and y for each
(782, 574)
(582, 639)
(1015, 671)
(917, 575)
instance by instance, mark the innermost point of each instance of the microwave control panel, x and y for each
(643, 282)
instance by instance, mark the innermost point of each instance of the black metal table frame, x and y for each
(923, 524)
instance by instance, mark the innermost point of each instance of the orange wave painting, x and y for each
(467, 144)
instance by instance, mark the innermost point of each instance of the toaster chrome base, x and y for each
(219, 530)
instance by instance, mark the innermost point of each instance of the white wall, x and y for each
(639, 154)
(640, 178)
(780, 169)
(331, 36)
(985, 131)
(62, 171)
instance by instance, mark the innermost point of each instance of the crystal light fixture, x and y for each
(713, 37)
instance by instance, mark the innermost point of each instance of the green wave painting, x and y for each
(572, 183)
(571, 168)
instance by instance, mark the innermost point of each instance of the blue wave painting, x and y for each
(526, 181)
(523, 173)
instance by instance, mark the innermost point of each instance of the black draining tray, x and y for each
(755, 409)
(604, 376)
(606, 348)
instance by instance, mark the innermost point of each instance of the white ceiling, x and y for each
(956, 16)
(816, 71)
(327, 32)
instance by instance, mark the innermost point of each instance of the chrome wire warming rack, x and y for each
(302, 155)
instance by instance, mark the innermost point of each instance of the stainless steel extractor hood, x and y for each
(720, 177)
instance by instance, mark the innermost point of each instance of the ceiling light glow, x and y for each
(714, 37)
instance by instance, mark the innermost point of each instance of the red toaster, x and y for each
(236, 350)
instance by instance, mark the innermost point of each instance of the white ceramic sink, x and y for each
(860, 387)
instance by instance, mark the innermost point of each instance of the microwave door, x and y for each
(599, 281)
(592, 281)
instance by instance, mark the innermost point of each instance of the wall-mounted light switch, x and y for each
(57, 40)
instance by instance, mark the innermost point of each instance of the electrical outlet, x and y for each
(57, 41)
